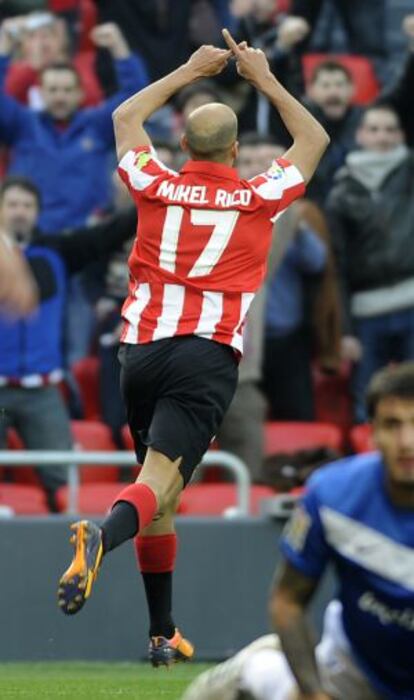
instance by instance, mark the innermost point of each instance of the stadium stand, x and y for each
(360, 438)
(366, 83)
(216, 499)
(332, 398)
(94, 435)
(86, 373)
(281, 436)
(23, 499)
(93, 498)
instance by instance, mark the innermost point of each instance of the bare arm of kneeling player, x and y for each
(290, 597)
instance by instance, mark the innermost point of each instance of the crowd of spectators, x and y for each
(340, 286)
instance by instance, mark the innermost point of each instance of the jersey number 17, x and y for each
(223, 223)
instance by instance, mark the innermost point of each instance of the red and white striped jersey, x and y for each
(202, 241)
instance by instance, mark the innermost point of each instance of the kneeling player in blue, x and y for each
(357, 514)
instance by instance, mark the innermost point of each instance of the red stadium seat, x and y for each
(88, 19)
(127, 438)
(366, 83)
(23, 500)
(86, 373)
(93, 499)
(361, 438)
(129, 445)
(93, 435)
(87, 435)
(214, 499)
(21, 475)
(283, 436)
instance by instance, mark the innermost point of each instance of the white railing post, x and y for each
(73, 459)
(72, 507)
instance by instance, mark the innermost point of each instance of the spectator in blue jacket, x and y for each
(17, 291)
(64, 149)
(31, 359)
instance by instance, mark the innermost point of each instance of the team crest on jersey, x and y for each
(87, 144)
(142, 159)
(297, 528)
(275, 171)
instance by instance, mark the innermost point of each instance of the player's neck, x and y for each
(228, 162)
(401, 496)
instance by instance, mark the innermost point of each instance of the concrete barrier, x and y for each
(224, 571)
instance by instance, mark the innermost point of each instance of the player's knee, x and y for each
(166, 494)
(169, 502)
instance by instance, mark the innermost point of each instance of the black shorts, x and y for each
(176, 393)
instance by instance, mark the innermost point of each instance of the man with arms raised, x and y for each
(199, 257)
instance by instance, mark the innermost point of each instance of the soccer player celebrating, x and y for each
(198, 259)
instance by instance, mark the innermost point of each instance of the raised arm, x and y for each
(289, 599)
(131, 75)
(84, 245)
(310, 139)
(130, 116)
(14, 117)
(18, 292)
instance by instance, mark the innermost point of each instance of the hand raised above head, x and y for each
(208, 61)
(251, 64)
(110, 36)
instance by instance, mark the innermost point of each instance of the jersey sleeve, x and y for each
(280, 185)
(140, 167)
(303, 541)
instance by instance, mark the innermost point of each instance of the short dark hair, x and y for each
(61, 66)
(396, 381)
(22, 183)
(253, 138)
(380, 106)
(331, 66)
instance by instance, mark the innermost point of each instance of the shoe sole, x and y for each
(178, 659)
(75, 585)
(168, 656)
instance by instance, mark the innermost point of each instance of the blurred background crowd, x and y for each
(338, 302)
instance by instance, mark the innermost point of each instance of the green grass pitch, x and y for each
(94, 681)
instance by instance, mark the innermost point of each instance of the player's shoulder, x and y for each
(354, 475)
(140, 157)
(281, 175)
(140, 167)
(274, 172)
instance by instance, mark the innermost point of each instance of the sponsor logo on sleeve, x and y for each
(297, 528)
(275, 171)
(87, 144)
(142, 159)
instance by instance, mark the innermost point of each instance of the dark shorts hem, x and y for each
(176, 392)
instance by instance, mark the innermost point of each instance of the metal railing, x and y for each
(73, 459)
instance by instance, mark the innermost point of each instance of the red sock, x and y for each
(156, 559)
(156, 554)
(143, 499)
